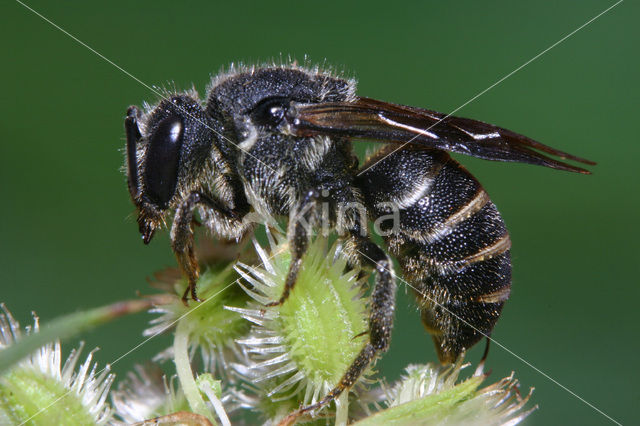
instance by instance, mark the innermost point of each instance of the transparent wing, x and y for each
(385, 122)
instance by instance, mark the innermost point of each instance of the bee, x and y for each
(276, 141)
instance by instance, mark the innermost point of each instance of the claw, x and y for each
(194, 295)
(276, 303)
(191, 289)
(185, 299)
(364, 333)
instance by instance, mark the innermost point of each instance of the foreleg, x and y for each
(182, 241)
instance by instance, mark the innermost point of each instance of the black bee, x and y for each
(276, 141)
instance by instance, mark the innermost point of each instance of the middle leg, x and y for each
(301, 222)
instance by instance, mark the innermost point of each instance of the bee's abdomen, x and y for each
(449, 239)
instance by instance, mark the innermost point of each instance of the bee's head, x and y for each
(165, 147)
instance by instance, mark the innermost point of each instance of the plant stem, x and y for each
(185, 374)
(342, 409)
(217, 404)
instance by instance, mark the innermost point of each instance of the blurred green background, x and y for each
(69, 240)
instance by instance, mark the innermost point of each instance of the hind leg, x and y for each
(383, 299)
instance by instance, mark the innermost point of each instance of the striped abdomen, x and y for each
(449, 239)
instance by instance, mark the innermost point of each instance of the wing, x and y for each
(385, 122)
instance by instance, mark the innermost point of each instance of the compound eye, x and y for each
(270, 111)
(162, 160)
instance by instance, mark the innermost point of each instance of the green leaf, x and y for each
(427, 410)
(71, 325)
